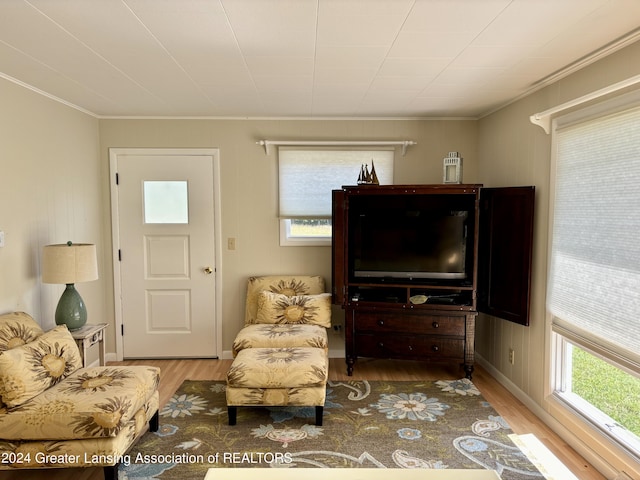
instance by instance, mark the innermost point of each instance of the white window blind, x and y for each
(594, 288)
(307, 177)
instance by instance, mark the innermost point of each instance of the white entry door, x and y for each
(164, 243)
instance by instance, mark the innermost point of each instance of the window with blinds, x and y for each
(594, 279)
(307, 177)
(594, 287)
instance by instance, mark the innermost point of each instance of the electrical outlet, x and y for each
(231, 243)
(1, 239)
(512, 356)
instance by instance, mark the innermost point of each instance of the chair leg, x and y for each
(319, 412)
(154, 422)
(232, 412)
(111, 472)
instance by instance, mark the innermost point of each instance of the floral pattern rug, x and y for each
(441, 424)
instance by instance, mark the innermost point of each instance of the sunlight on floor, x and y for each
(542, 458)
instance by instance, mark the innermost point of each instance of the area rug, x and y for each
(381, 424)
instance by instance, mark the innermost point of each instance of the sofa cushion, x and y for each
(280, 336)
(284, 284)
(30, 369)
(86, 452)
(93, 402)
(17, 329)
(297, 309)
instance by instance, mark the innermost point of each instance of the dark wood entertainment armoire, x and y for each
(429, 315)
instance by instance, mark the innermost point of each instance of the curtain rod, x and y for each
(334, 143)
(543, 119)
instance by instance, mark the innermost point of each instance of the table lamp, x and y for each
(69, 264)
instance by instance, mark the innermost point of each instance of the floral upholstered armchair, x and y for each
(281, 354)
(285, 311)
(53, 413)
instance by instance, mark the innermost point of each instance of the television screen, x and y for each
(406, 242)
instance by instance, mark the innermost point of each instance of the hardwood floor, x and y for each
(517, 415)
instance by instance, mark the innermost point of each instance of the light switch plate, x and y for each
(1, 239)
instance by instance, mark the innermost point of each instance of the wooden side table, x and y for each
(86, 337)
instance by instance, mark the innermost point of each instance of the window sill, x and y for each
(598, 447)
(304, 242)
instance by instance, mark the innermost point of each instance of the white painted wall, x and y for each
(50, 192)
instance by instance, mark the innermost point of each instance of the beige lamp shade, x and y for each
(69, 263)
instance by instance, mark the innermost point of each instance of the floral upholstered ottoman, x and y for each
(280, 335)
(278, 377)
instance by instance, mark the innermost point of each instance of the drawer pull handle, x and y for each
(435, 325)
(381, 322)
(435, 348)
(380, 344)
(410, 348)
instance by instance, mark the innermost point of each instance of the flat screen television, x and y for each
(399, 239)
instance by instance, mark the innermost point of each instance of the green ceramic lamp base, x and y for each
(71, 310)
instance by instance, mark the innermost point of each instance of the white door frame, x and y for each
(115, 233)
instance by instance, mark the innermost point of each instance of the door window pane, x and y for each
(166, 202)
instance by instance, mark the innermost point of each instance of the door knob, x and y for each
(208, 270)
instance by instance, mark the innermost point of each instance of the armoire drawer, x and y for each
(401, 322)
(431, 347)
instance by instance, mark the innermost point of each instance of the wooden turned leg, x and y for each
(468, 370)
(319, 413)
(350, 362)
(232, 412)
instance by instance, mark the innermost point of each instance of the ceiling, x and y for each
(302, 58)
